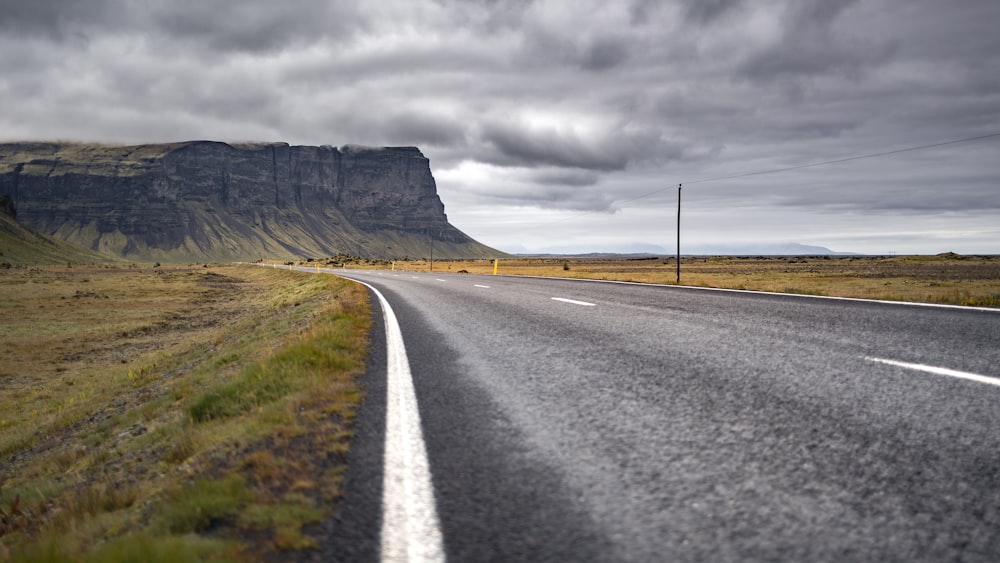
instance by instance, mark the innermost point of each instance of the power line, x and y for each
(801, 166)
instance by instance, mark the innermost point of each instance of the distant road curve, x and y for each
(574, 420)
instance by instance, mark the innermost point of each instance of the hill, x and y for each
(212, 201)
(21, 246)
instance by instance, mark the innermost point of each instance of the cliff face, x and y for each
(215, 201)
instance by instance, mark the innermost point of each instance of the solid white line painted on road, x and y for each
(573, 301)
(410, 527)
(482, 286)
(938, 371)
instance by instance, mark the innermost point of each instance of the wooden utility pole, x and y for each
(678, 234)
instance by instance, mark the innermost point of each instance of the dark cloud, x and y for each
(604, 54)
(256, 26)
(546, 104)
(704, 11)
(517, 144)
(576, 178)
(421, 128)
(553, 196)
(810, 45)
(247, 26)
(56, 19)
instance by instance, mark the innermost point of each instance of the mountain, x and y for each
(637, 249)
(213, 201)
(761, 249)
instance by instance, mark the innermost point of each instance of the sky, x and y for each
(566, 126)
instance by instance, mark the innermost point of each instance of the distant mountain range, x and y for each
(639, 249)
(212, 201)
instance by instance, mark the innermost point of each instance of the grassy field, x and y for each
(172, 413)
(945, 278)
(204, 413)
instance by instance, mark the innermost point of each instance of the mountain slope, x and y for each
(205, 200)
(21, 246)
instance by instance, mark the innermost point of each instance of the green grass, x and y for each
(21, 246)
(218, 436)
(195, 507)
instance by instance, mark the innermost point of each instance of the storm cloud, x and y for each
(571, 120)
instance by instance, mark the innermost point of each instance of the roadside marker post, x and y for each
(495, 262)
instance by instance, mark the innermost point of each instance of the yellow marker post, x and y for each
(393, 266)
(317, 270)
(289, 267)
(495, 262)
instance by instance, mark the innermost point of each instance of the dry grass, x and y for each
(946, 278)
(100, 451)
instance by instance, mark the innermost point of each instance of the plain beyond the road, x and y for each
(587, 421)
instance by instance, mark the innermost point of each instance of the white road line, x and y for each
(938, 371)
(410, 527)
(573, 301)
(482, 286)
(439, 279)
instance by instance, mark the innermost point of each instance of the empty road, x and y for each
(583, 421)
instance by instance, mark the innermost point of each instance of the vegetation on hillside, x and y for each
(19, 245)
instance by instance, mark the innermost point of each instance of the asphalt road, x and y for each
(581, 421)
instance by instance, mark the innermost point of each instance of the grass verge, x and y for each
(183, 413)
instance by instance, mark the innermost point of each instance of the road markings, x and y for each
(482, 286)
(573, 301)
(938, 371)
(410, 527)
(439, 279)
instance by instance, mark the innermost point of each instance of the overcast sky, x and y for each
(546, 122)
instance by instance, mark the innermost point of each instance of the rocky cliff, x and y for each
(206, 200)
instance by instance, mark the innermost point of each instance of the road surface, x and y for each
(582, 421)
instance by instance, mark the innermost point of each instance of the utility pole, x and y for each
(431, 236)
(678, 234)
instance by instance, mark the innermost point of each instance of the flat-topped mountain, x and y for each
(205, 200)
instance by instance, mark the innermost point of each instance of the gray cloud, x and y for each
(565, 105)
(566, 178)
(810, 45)
(56, 19)
(260, 26)
(518, 145)
(705, 11)
(605, 53)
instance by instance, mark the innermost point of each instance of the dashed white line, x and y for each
(573, 301)
(439, 279)
(482, 286)
(938, 371)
